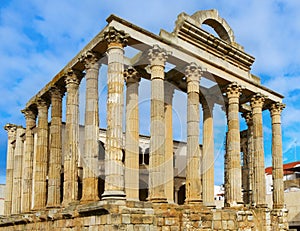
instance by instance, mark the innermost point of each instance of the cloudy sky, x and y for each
(37, 39)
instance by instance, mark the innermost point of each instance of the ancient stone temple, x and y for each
(66, 176)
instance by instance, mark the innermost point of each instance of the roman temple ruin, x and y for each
(65, 176)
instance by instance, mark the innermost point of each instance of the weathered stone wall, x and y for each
(133, 216)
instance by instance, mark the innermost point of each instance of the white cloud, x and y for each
(269, 30)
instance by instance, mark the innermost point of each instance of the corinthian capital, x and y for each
(29, 114)
(56, 92)
(116, 37)
(276, 108)
(193, 74)
(41, 103)
(90, 59)
(157, 56)
(73, 77)
(233, 90)
(11, 131)
(257, 101)
(193, 71)
(131, 75)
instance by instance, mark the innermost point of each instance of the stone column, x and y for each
(91, 127)
(169, 168)
(157, 57)
(250, 192)
(71, 153)
(277, 165)
(41, 158)
(55, 159)
(30, 117)
(193, 168)
(132, 135)
(11, 132)
(233, 194)
(18, 166)
(114, 169)
(208, 152)
(257, 102)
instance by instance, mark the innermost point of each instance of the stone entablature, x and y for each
(195, 55)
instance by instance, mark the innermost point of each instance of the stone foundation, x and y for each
(143, 216)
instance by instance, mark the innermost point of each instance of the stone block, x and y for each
(225, 215)
(217, 225)
(125, 210)
(206, 224)
(103, 219)
(149, 211)
(231, 225)
(141, 228)
(136, 219)
(137, 211)
(147, 219)
(116, 218)
(171, 221)
(195, 217)
(160, 221)
(224, 224)
(93, 228)
(166, 228)
(217, 216)
(175, 228)
(125, 219)
(232, 216)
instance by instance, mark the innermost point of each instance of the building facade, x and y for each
(52, 184)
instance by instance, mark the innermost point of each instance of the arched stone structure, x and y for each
(212, 19)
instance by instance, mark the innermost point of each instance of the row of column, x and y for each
(161, 149)
(255, 148)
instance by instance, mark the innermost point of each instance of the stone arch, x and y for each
(212, 19)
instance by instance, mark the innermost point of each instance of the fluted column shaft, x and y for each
(18, 166)
(91, 127)
(193, 168)
(11, 132)
(28, 159)
(55, 160)
(157, 57)
(70, 192)
(250, 192)
(257, 102)
(208, 152)
(41, 158)
(233, 195)
(114, 169)
(277, 164)
(169, 168)
(132, 135)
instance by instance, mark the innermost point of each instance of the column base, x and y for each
(234, 204)
(70, 203)
(53, 206)
(193, 201)
(113, 195)
(278, 206)
(210, 205)
(89, 199)
(158, 200)
(264, 206)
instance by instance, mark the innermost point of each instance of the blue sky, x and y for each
(37, 39)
